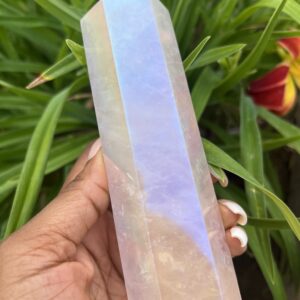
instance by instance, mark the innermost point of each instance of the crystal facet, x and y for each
(168, 224)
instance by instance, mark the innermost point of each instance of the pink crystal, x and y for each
(169, 228)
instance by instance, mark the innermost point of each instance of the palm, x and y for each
(91, 270)
(96, 268)
(101, 249)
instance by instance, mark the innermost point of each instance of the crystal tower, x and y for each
(169, 228)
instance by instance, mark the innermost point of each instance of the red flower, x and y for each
(276, 90)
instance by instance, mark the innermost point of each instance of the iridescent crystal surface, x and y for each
(169, 228)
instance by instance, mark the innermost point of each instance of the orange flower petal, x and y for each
(289, 97)
(275, 91)
(275, 78)
(295, 72)
(271, 99)
(291, 45)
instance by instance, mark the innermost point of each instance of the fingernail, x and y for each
(240, 234)
(94, 149)
(237, 210)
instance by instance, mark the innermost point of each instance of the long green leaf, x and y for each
(77, 50)
(219, 158)
(62, 11)
(215, 54)
(62, 67)
(35, 164)
(203, 89)
(194, 54)
(61, 153)
(267, 223)
(27, 22)
(20, 66)
(283, 127)
(292, 9)
(252, 158)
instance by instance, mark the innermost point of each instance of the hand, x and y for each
(69, 250)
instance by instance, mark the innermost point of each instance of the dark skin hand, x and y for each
(69, 250)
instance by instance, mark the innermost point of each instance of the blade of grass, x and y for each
(62, 153)
(236, 193)
(61, 11)
(289, 245)
(251, 153)
(194, 54)
(215, 54)
(274, 282)
(203, 89)
(62, 67)
(252, 158)
(36, 97)
(20, 66)
(292, 9)
(283, 127)
(219, 158)
(27, 22)
(267, 223)
(35, 163)
(77, 50)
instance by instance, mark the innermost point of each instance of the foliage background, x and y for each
(224, 43)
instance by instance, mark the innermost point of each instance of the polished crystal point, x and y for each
(169, 228)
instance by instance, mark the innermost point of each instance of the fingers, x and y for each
(237, 240)
(80, 203)
(89, 152)
(232, 214)
(236, 237)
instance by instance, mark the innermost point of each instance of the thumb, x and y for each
(77, 207)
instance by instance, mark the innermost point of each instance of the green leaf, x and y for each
(273, 224)
(203, 89)
(289, 245)
(251, 154)
(292, 9)
(34, 97)
(254, 56)
(27, 22)
(66, 65)
(236, 193)
(9, 8)
(13, 137)
(252, 158)
(62, 153)
(177, 12)
(283, 127)
(62, 11)
(194, 54)
(77, 50)
(275, 282)
(20, 66)
(215, 54)
(277, 35)
(272, 144)
(35, 164)
(219, 158)
(222, 12)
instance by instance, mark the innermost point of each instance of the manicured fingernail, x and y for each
(94, 149)
(240, 234)
(237, 210)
